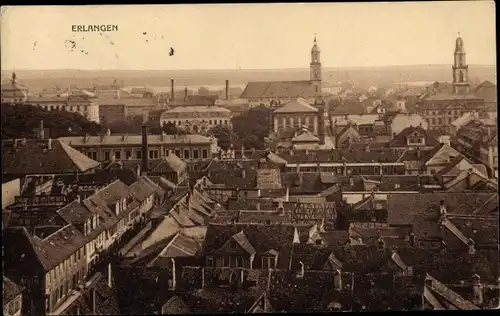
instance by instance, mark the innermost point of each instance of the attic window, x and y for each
(319, 241)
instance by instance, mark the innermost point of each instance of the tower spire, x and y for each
(460, 68)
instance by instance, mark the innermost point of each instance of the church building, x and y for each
(439, 107)
(277, 93)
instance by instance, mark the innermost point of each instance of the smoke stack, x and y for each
(185, 93)
(172, 92)
(110, 279)
(144, 167)
(227, 89)
(49, 144)
(321, 121)
(42, 132)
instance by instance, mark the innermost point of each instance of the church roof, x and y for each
(298, 105)
(279, 89)
(305, 137)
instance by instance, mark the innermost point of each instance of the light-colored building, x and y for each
(81, 101)
(275, 93)
(197, 118)
(295, 114)
(13, 92)
(439, 107)
(10, 190)
(12, 298)
(108, 147)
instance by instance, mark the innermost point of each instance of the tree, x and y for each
(225, 136)
(203, 91)
(170, 129)
(252, 127)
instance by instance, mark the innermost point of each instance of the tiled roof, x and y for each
(261, 237)
(142, 189)
(341, 155)
(57, 247)
(298, 105)
(34, 157)
(181, 246)
(176, 305)
(197, 108)
(230, 173)
(483, 230)
(445, 96)
(400, 139)
(75, 213)
(170, 163)
(279, 89)
(406, 209)
(10, 289)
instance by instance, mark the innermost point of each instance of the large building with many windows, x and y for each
(197, 118)
(109, 147)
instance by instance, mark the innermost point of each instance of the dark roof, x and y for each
(230, 173)
(175, 305)
(34, 157)
(400, 139)
(483, 230)
(261, 237)
(75, 213)
(279, 89)
(405, 209)
(341, 155)
(170, 163)
(144, 188)
(10, 289)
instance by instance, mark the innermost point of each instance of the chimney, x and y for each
(337, 281)
(258, 193)
(144, 167)
(110, 276)
(287, 194)
(243, 173)
(413, 239)
(443, 246)
(227, 89)
(442, 208)
(78, 199)
(185, 93)
(42, 132)
(138, 170)
(281, 208)
(472, 246)
(173, 274)
(202, 278)
(477, 290)
(172, 91)
(242, 152)
(418, 153)
(351, 182)
(93, 302)
(300, 275)
(49, 144)
(108, 132)
(321, 121)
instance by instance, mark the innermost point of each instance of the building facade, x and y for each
(83, 102)
(198, 118)
(109, 147)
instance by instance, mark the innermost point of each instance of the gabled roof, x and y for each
(242, 240)
(180, 246)
(298, 105)
(401, 139)
(10, 289)
(35, 157)
(279, 89)
(305, 137)
(449, 295)
(170, 163)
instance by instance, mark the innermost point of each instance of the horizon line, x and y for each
(233, 69)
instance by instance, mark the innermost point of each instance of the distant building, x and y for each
(111, 110)
(273, 93)
(441, 108)
(108, 147)
(197, 118)
(13, 92)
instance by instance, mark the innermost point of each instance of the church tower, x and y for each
(315, 76)
(460, 69)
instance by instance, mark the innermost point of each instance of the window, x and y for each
(128, 154)
(225, 261)
(180, 123)
(210, 261)
(106, 155)
(205, 154)
(186, 153)
(178, 153)
(267, 263)
(138, 154)
(239, 262)
(210, 122)
(225, 122)
(117, 154)
(195, 154)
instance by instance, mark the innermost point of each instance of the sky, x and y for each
(247, 36)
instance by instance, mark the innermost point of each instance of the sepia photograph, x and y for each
(249, 158)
